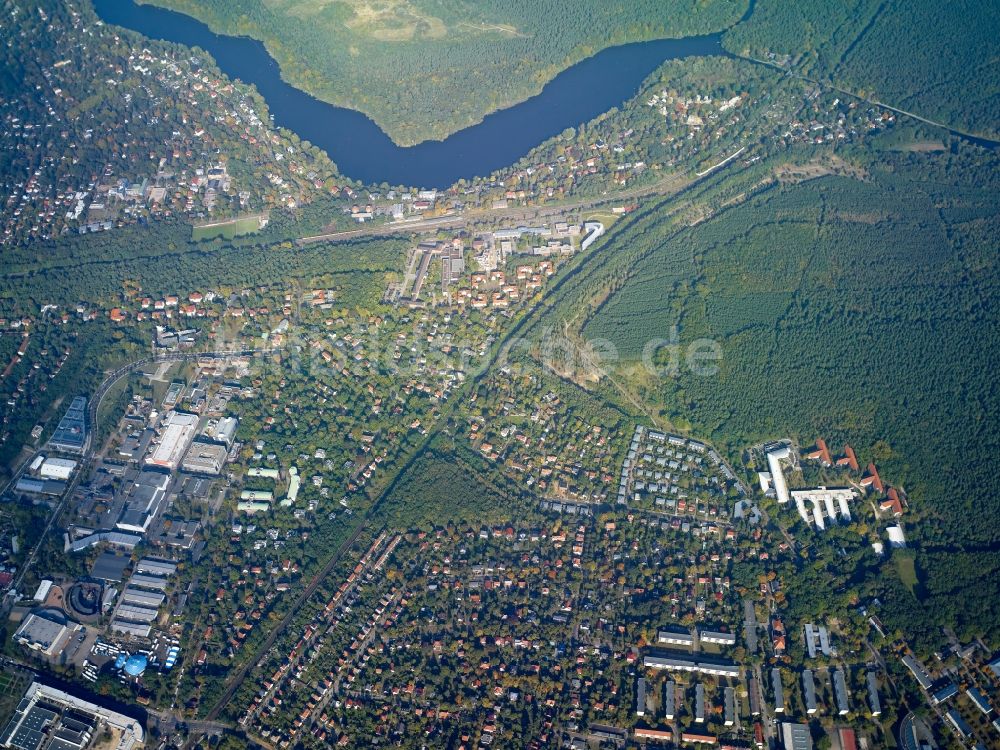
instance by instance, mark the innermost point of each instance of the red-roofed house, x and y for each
(848, 459)
(892, 502)
(820, 453)
(872, 479)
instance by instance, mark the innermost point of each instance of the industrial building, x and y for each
(137, 630)
(133, 613)
(142, 598)
(176, 433)
(144, 500)
(71, 434)
(57, 468)
(205, 458)
(114, 538)
(222, 430)
(64, 721)
(44, 633)
(155, 567)
(40, 486)
(148, 582)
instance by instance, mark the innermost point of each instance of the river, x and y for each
(364, 152)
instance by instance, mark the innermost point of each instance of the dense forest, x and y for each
(855, 308)
(424, 69)
(938, 60)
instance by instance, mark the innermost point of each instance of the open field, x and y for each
(227, 230)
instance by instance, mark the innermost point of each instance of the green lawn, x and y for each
(227, 230)
(906, 567)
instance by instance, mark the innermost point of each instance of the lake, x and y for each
(364, 152)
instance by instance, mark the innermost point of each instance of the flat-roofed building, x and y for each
(796, 736)
(71, 434)
(671, 664)
(981, 701)
(640, 697)
(669, 700)
(779, 691)
(62, 721)
(222, 430)
(155, 567)
(134, 629)
(717, 637)
(697, 738)
(958, 723)
(699, 703)
(809, 691)
(142, 580)
(840, 692)
(57, 468)
(205, 458)
(176, 434)
(874, 704)
(729, 706)
(774, 458)
(945, 693)
(134, 613)
(657, 735)
(674, 638)
(44, 633)
(40, 486)
(143, 598)
(109, 567)
(918, 671)
(753, 690)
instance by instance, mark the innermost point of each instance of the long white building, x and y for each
(774, 458)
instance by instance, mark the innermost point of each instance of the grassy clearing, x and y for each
(906, 567)
(227, 230)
